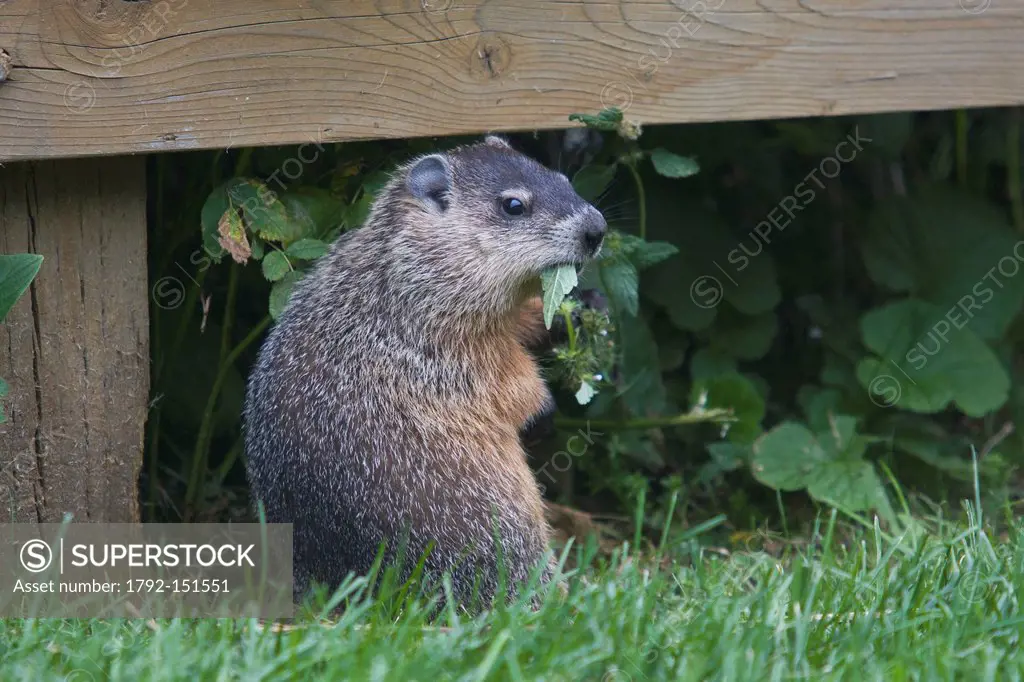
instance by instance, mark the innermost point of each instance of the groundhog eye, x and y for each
(513, 206)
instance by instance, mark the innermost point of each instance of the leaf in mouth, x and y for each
(557, 282)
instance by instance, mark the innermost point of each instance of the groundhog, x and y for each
(387, 401)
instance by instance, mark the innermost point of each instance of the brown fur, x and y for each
(389, 398)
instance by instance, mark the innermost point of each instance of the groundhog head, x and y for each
(495, 217)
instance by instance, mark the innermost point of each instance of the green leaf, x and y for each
(214, 208)
(621, 282)
(852, 485)
(819, 405)
(590, 181)
(316, 211)
(672, 165)
(933, 445)
(922, 370)
(708, 363)
(357, 212)
(786, 457)
(585, 394)
(556, 283)
(16, 273)
(829, 465)
(738, 393)
(607, 119)
(263, 211)
(729, 456)
(643, 254)
(744, 336)
(275, 266)
(950, 249)
(258, 248)
(643, 391)
(671, 350)
(711, 269)
(281, 291)
(307, 249)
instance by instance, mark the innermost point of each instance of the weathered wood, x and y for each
(75, 348)
(109, 76)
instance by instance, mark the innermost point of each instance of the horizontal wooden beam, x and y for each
(93, 77)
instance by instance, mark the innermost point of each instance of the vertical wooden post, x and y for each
(75, 348)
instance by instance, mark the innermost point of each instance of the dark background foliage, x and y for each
(809, 281)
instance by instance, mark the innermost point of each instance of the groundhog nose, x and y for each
(594, 228)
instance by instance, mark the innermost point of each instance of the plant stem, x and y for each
(717, 415)
(1013, 161)
(229, 312)
(229, 460)
(641, 197)
(961, 147)
(569, 329)
(206, 426)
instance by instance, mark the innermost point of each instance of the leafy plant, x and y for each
(16, 274)
(787, 320)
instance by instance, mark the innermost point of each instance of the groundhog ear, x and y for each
(429, 181)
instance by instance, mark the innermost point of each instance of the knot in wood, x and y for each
(6, 62)
(490, 56)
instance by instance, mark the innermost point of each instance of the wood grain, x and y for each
(75, 348)
(108, 76)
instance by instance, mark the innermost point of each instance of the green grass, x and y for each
(938, 603)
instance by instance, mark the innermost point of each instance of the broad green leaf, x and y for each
(585, 393)
(643, 254)
(307, 249)
(556, 283)
(643, 392)
(747, 337)
(214, 208)
(923, 368)
(672, 165)
(819, 404)
(16, 273)
(315, 210)
(375, 182)
(708, 363)
(786, 457)
(711, 269)
(620, 281)
(3, 388)
(357, 212)
(730, 456)
(258, 247)
(933, 445)
(275, 266)
(591, 181)
(263, 211)
(281, 291)
(671, 350)
(738, 393)
(829, 465)
(850, 484)
(950, 249)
